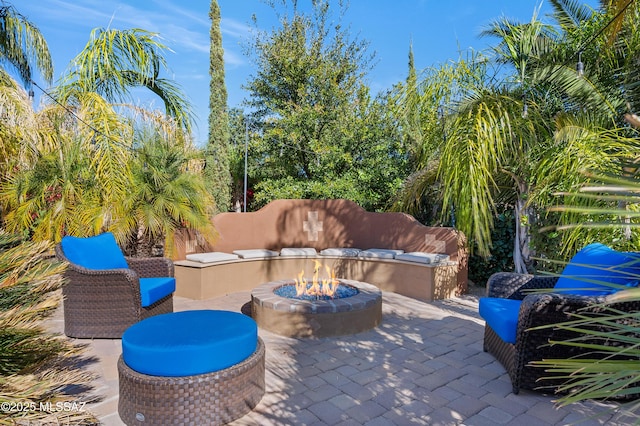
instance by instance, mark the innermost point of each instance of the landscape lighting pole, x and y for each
(246, 144)
(442, 117)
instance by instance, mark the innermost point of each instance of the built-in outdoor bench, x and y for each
(390, 250)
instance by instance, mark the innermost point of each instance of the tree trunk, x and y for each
(521, 249)
(622, 205)
(141, 245)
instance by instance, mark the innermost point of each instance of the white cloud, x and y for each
(200, 18)
(233, 59)
(234, 28)
(186, 38)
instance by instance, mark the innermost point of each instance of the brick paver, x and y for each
(423, 365)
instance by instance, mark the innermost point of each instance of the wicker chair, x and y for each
(103, 303)
(536, 310)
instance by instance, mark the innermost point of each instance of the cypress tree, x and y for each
(413, 135)
(217, 154)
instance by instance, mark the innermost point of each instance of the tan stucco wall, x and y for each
(330, 223)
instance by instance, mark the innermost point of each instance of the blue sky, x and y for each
(438, 29)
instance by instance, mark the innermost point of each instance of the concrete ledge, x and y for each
(424, 282)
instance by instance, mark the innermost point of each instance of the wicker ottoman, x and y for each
(163, 381)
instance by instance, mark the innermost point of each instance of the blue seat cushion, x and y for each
(154, 289)
(99, 252)
(188, 343)
(595, 266)
(501, 315)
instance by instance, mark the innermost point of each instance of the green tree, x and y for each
(217, 152)
(18, 128)
(603, 98)
(318, 122)
(498, 136)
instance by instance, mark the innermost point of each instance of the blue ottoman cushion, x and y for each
(188, 343)
(154, 289)
(502, 316)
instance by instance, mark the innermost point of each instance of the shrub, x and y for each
(501, 258)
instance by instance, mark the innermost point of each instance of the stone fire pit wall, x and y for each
(316, 318)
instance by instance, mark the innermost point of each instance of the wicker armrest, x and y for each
(151, 266)
(554, 308)
(510, 285)
(128, 273)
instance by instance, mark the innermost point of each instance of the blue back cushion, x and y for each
(596, 265)
(99, 252)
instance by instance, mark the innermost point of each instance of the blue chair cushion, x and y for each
(595, 266)
(188, 343)
(154, 289)
(501, 315)
(99, 252)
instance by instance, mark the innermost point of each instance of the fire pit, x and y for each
(353, 307)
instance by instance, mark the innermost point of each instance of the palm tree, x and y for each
(76, 176)
(80, 179)
(521, 134)
(607, 98)
(489, 147)
(18, 128)
(606, 205)
(167, 191)
(22, 47)
(23, 50)
(115, 61)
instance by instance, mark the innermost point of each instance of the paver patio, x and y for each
(423, 365)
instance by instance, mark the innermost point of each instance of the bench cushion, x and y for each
(294, 251)
(341, 252)
(595, 266)
(189, 342)
(422, 257)
(216, 256)
(98, 252)
(156, 288)
(501, 315)
(255, 253)
(375, 253)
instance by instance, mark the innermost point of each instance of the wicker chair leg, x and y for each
(503, 352)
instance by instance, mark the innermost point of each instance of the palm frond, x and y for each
(570, 14)
(35, 366)
(115, 61)
(23, 45)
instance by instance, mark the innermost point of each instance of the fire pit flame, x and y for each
(317, 287)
